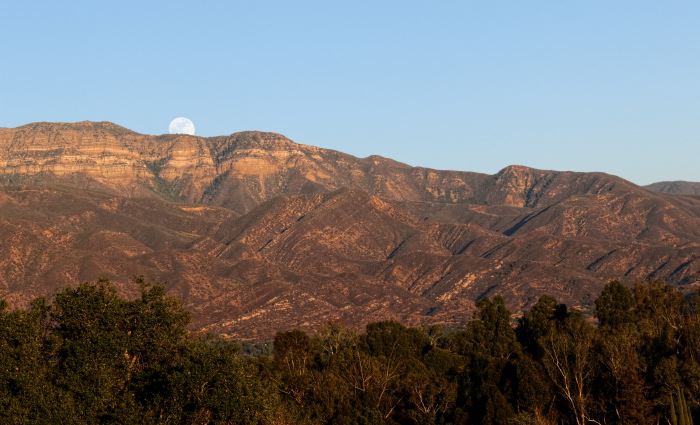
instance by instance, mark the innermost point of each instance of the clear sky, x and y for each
(607, 85)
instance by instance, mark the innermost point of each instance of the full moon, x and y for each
(181, 125)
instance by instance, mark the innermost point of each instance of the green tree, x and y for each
(615, 306)
(490, 348)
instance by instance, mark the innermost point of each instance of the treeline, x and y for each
(89, 356)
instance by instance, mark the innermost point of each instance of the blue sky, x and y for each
(580, 85)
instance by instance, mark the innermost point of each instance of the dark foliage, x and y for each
(91, 357)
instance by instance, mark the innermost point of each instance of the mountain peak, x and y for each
(515, 168)
(45, 126)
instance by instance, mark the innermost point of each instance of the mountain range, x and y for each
(256, 233)
(676, 187)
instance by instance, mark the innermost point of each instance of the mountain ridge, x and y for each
(676, 187)
(262, 155)
(256, 233)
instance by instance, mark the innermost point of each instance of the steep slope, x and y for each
(256, 233)
(230, 273)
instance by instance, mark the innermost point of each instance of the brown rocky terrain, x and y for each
(256, 233)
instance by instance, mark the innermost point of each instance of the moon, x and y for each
(181, 125)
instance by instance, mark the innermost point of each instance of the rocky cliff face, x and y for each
(256, 233)
(242, 170)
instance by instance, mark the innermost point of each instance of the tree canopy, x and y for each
(88, 356)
